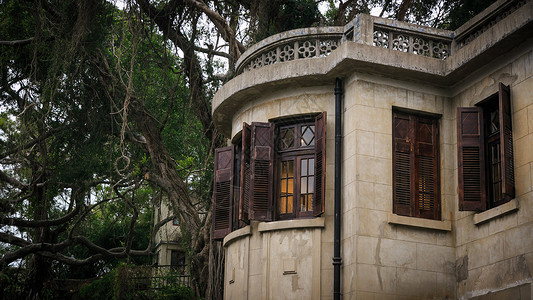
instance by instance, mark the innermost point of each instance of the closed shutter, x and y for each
(471, 159)
(262, 172)
(427, 200)
(403, 164)
(244, 198)
(223, 192)
(320, 164)
(506, 140)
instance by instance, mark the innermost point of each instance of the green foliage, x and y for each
(101, 289)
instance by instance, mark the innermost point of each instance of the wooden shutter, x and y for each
(506, 141)
(403, 163)
(320, 164)
(223, 192)
(244, 198)
(427, 193)
(471, 159)
(262, 172)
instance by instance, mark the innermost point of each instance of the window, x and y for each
(416, 182)
(296, 170)
(485, 153)
(275, 172)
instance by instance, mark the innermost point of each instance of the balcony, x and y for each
(371, 45)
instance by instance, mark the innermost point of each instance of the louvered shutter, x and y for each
(244, 198)
(262, 172)
(403, 163)
(223, 192)
(471, 159)
(320, 164)
(506, 140)
(427, 200)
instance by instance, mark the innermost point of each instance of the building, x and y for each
(424, 135)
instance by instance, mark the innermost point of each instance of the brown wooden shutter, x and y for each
(471, 159)
(223, 192)
(262, 172)
(403, 163)
(427, 200)
(320, 164)
(506, 141)
(244, 199)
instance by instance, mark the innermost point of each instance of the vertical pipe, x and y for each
(337, 259)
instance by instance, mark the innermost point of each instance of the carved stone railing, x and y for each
(411, 42)
(291, 45)
(486, 20)
(373, 31)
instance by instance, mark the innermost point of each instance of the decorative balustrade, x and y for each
(291, 45)
(478, 26)
(410, 42)
(378, 32)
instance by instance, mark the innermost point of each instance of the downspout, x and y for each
(337, 259)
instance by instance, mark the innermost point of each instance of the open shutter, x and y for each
(506, 140)
(471, 159)
(320, 164)
(262, 172)
(427, 201)
(223, 192)
(403, 163)
(244, 198)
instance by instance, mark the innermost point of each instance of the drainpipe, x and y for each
(337, 259)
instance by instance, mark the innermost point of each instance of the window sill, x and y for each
(495, 212)
(291, 224)
(237, 234)
(419, 222)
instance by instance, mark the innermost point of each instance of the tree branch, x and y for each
(16, 42)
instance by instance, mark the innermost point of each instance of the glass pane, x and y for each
(283, 205)
(303, 171)
(283, 187)
(308, 135)
(311, 184)
(303, 185)
(287, 138)
(284, 169)
(290, 168)
(303, 203)
(290, 186)
(289, 204)
(494, 121)
(311, 166)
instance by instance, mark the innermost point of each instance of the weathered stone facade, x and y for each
(464, 255)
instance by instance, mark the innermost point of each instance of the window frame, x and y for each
(477, 195)
(410, 154)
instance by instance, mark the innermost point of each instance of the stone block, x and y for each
(435, 258)
(372, 169)
(530, 118)
(349, 144)
(485, 251)
(365, 93)
(521, 94)
(350, 116)
(396, 253)
(417, 235)
(523, 153)
(373, 119)
(523, 182)
(365, 195)
(446, 286)
(383, 145)
(366, 250)
(383, 197)
(378, 279)
(518, 241)
(365, 143)
(373, 223)
(417, 283)
(525, 212)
